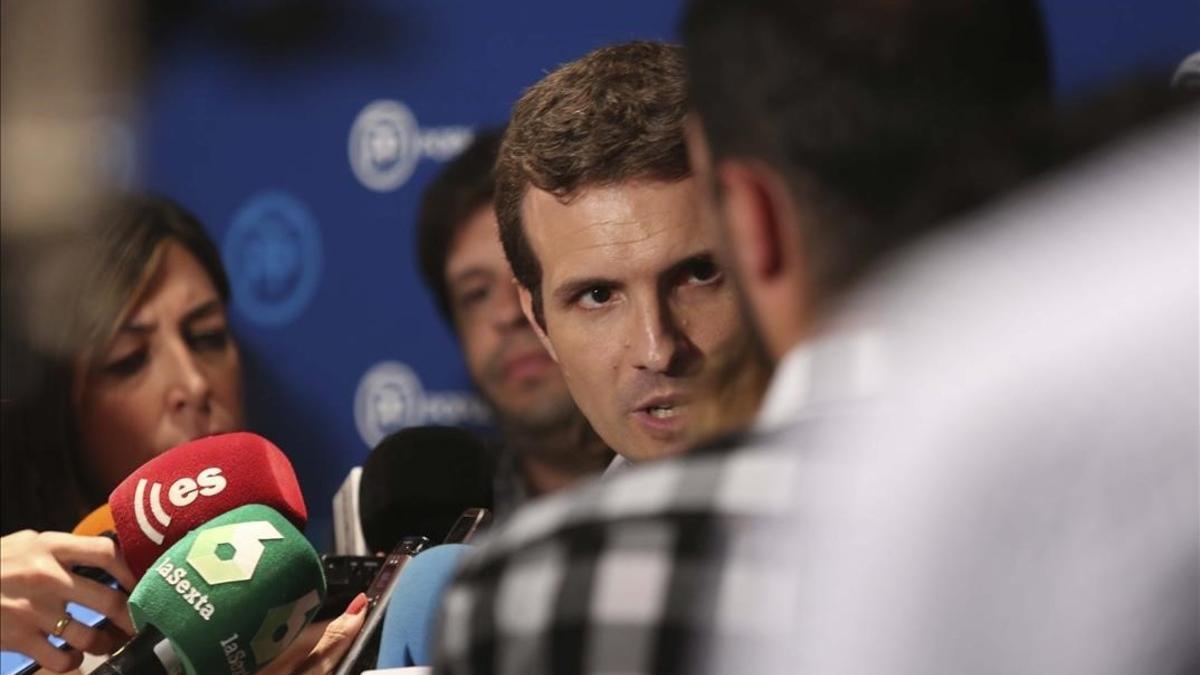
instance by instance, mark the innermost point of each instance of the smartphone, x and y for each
(14, 663)
(469, 524)
(364, 651)
(345, 577)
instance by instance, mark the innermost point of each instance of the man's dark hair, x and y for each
(860, 103)
(612, 116)
(466, 185)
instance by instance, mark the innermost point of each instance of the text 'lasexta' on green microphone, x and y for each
(227, 598)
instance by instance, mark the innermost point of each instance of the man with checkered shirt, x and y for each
(821, 175)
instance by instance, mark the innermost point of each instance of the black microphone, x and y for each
(418, 481)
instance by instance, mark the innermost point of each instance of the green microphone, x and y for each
(227, 598)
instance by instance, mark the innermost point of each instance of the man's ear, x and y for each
(758, 213)
(527, 308)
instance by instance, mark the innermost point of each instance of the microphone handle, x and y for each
(147, 653)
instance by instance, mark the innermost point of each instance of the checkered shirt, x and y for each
(648, 572)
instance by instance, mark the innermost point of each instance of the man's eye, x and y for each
(702, 272)
(126, 365)
(595, 297)
(472, 297)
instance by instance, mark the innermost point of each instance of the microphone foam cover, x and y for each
(191, 483)
(100, 521)
(233, 593)
(412, 614)
(418, 481)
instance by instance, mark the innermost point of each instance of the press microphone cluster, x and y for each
(187, 486)
(213, 527)
(227, 579)
(419, 485)
(228, 597)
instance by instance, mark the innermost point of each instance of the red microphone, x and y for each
(193, 483)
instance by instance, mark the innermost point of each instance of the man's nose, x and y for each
(658, 343)
(505, 312)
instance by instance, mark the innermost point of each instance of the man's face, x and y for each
(508, 364)
(639, 316)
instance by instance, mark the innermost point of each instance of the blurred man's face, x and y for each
(700, 158)
(639, 315)
(509, 365)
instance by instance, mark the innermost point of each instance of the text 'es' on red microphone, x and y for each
(192, 483)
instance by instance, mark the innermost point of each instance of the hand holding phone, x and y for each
(365, 648)
(50, 599)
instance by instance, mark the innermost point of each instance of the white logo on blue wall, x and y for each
(386, 143)
(390, 397)
(273, 254)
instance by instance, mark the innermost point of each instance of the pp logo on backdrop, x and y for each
(386, 143)
(182, 492)
(273, 254)
(390, 397)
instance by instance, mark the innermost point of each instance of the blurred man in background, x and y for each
(545, 443)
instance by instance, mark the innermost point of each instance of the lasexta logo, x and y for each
(244, 548)
(245, 540)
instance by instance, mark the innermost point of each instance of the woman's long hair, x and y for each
(80, 289)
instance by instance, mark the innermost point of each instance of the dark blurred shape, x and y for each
(282, 32)
(418, 481)
(859, 104)
(1187, 76)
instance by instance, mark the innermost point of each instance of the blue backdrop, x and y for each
(306, 164)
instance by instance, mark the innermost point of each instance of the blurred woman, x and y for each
(144, 361)
(141, 360)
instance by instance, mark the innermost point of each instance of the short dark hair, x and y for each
(612, 116)
(466, 185)
(858, 103)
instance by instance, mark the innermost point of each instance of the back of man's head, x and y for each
(860, 103)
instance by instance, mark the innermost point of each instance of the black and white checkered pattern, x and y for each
(645, 573)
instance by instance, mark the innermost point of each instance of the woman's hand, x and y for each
(36, 584)
(335, 639)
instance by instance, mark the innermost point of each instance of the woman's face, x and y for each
(171, 374)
